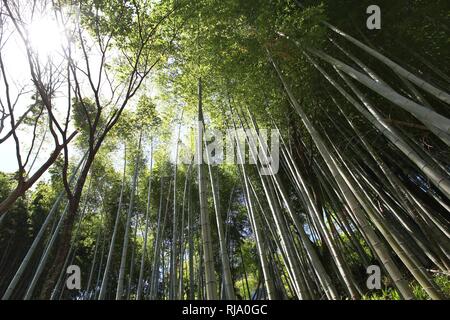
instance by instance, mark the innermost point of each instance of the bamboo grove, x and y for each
(363, 129)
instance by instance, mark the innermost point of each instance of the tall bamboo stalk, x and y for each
(147, 217)
(104, 284)
(350, 197)
(210, 276)
(119, 291)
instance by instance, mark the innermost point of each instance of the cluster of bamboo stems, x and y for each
(346, 203)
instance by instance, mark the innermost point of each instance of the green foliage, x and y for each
(84, 113)
(385, 294)
(441, 280)
(227, 44)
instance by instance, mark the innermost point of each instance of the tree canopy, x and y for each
(121, 137)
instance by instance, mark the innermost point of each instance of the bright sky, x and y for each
(45, 38)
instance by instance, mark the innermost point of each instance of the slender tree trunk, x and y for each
(228, 282)
(26, 260)
(421, 83)
(45, 256)
(147, 217)
(268, 281)
(104, 285)
(191, 247)
(119, 292)
(351, 199)
(173, 257)
(158, 242)
(210, 276)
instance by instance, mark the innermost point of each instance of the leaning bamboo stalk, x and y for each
(314, 212)
(269, 223)
(45, 256)
(396, 187)
(324, 278)
(423, 114)
(415, 93)
(268, 281)
(72, 245)
(397, 242)
(394, 240)
(291, 262)
(228, 281)
(421, 83)
(424, 219)
(26, 260)
(321, 273)
(438, 178)
(353, 202)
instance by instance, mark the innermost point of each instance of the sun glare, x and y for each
(45, 36)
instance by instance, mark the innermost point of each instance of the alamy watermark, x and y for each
(74, 279)
(374, 278)
(232, 146)
(374, 20)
